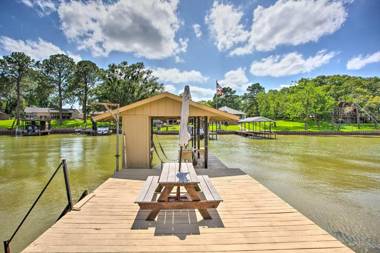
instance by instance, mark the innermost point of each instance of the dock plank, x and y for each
(251, 219)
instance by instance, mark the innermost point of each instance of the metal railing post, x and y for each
(7, 249)
(67, 184)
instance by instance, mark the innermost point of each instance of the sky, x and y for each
(198, 42)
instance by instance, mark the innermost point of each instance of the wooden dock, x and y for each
(258, 134)
(250, 219)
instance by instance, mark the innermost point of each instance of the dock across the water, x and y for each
(250, 219)
(258, 134)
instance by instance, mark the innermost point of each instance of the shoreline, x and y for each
(223, 132)
(314, 133)
(321, 133)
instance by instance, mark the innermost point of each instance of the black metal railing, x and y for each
(69, 207)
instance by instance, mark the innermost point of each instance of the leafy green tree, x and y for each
(14, 68)
(85, 77)
(7, 95)
(124, 84)
(249, 99)
(59, 70)
(39, 90)
(263, 104)
(309, 102)
(229, 98)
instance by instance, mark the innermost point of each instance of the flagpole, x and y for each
(216, 97)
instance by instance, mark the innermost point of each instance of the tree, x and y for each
(309, 102)
(59, 70)
(39, 90)
(7, 94)
(85, 77)
(249, 99)
(229, 98)
(263, 104)
(14, 68)
(124, 84)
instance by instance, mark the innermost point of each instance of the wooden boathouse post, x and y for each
(206, 140)
(198, 135)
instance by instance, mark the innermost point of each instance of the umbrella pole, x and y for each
(180, 158)
(178, 195)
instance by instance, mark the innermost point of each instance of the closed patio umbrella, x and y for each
(184, 135)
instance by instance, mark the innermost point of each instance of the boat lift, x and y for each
(111, 107)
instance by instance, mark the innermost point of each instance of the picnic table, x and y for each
(157, 192)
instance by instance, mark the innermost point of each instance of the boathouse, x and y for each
(137, 120)
(238, 113)
(257, 127)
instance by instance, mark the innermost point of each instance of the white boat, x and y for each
(103, 131)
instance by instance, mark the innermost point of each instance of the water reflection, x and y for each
(335, 181)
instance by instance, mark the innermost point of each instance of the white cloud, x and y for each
(170, 88)
(224, 23)
(290, 64)
(286, 22)
(197, 30)
(146, 29)
(235, 79)
(200, 93)
(43, 7)
(174, 75)
(361, 61)
(197, 93)
(38, 50)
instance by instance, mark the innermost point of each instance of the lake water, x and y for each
(335, 181)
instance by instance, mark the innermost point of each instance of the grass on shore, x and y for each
(281, 125)
(284, 125)
(71, 123)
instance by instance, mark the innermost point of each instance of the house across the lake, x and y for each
(45, 113)
(348, 112)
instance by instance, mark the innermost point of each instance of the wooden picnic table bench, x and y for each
(156, 193)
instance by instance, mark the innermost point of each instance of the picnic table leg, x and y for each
(194, 195)
(153, 214)
(205, 214)
(164, 196)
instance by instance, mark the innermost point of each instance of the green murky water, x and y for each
(26, 164)
(335, 181)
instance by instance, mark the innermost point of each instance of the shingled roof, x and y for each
(231, 111)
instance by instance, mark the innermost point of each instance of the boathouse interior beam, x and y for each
(198, 135)
(206, 141)
(151, 142)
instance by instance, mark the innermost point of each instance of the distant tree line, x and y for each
(58, 81)
(308, 100)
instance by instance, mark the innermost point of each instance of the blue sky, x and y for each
(198, 42)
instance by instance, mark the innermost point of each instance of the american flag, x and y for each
(219, 89)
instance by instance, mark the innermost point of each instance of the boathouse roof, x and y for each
(168, 105)
(256, 119)
(231, 111)
(35, 109)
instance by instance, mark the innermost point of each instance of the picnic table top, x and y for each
(170, 174)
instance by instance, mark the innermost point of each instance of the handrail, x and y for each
(62, 165)
(67, 208)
